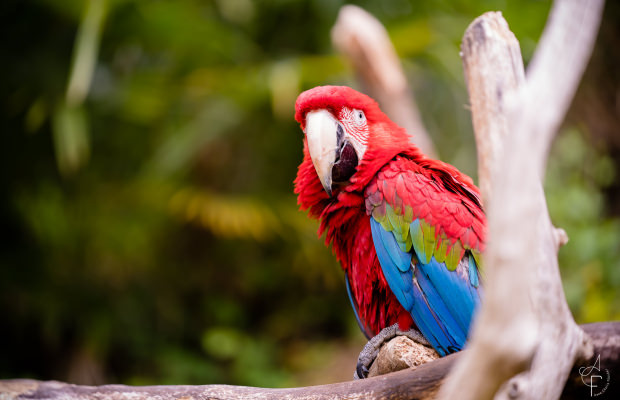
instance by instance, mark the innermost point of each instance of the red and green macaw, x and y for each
(407, 230)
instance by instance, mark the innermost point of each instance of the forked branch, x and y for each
(524, 326)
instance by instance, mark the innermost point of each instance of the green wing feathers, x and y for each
(424, 215)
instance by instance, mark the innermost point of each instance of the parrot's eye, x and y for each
(360, 118)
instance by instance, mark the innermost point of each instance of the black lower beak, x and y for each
(346, 163)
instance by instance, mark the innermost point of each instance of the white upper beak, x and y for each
(322, 136)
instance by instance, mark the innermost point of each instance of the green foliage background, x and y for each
(149, 230)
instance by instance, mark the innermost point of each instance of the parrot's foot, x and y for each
(371, 350)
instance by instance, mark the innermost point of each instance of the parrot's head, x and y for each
(345, 131)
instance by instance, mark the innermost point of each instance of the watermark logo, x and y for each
(594, 378)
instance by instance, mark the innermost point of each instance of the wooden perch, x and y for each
(400, 353)
(420, 383)
(363, 40)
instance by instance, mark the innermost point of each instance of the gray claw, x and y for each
(371, 350)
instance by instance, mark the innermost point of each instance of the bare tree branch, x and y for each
(493, 69)
(365, 42)
(420, 383)
(524, 323)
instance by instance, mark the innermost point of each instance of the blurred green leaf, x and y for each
(224, 343)
(71, 138)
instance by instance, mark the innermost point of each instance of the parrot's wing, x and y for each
(428, 239)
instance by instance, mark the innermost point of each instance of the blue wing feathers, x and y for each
(446, 299)
(441, 302)
(430, 311)
(393, 261)
(454, 291)
(427, 322)
(401, 259)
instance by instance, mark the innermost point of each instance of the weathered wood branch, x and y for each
(363, 40)
(420, 383)
(493, 69)
(524, 325)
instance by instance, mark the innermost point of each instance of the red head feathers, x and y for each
(334, 98)
(348, 117)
